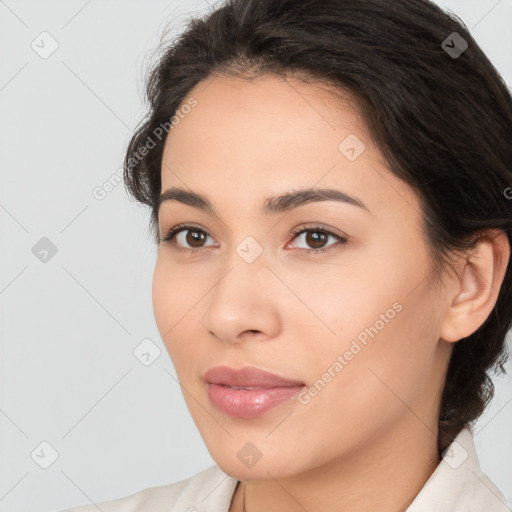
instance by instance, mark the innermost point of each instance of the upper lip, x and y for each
(248, 376)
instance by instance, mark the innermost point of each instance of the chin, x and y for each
(240, 460)
(260, 470)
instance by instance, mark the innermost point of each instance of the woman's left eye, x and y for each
(316, 237)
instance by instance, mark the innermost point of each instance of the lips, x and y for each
(248, 377)
(249, 392)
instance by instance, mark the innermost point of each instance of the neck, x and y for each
(385, 474)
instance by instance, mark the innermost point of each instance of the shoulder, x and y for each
(211, 485)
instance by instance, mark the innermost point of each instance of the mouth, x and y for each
(249, 392)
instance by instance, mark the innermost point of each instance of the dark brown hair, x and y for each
(439, 112)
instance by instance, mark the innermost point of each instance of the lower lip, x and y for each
(242, 403)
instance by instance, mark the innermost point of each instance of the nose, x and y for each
(244, 304)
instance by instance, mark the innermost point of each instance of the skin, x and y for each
(367, 441)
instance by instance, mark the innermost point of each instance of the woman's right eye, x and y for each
(184, 234)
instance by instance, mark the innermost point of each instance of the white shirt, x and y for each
(456, 485)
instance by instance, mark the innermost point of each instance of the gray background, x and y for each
(69, 325)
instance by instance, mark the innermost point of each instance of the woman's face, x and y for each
(357, 323)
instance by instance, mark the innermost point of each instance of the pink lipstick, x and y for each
(248, 392)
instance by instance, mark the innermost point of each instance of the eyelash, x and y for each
(296, 233)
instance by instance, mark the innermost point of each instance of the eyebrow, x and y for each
(272, 205)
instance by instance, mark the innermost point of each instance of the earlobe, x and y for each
(476, 287)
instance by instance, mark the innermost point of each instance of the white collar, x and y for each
(458, 483)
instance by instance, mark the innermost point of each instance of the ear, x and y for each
(474, 291)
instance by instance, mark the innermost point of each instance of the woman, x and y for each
(329, 183)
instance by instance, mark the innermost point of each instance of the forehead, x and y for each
(271, 134)
(262, 117)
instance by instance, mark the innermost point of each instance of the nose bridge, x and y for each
(241, 299)
(246, 274)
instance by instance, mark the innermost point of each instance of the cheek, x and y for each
(386, 326)
(172, 297)
(387, 362)
(162, 297)
(374, 384)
